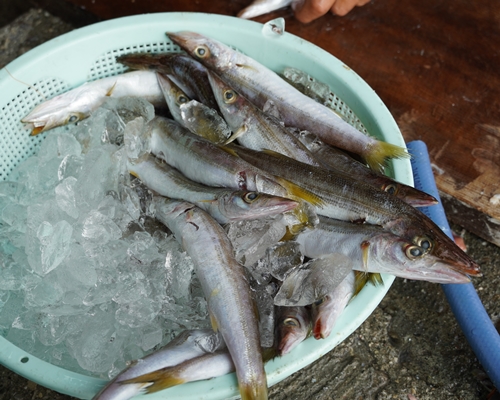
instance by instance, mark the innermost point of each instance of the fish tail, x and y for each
(157, 380)
(379, 152)
(253, 391)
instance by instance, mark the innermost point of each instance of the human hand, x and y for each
(309, 10)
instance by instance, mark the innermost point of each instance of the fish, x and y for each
(175, 97)
(207, 163)
(206, 366)
(336, 159)
(293, 326)
(353, 200)
(254, 128)
(227, 291)
(223, 204)
(260, 7)
(326, 311)
(374, 249)
(205, 122)
(187, 345)
(78, 103)
(188, 73)
(259, 84)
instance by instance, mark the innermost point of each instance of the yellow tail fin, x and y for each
(158, 380)
(379, 152)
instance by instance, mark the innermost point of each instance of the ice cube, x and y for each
(65, 196)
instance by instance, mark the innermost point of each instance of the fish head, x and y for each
(229, 101)
(391, 254)
(207, 51)
(243, 204)
(66, 108)
(292, 328)
(171, 91)
(408, 194)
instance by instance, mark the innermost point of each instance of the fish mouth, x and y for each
(448, 252)
(178, 38)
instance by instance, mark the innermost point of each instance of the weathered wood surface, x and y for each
(434, 63)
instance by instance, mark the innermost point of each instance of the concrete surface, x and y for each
(410, 347)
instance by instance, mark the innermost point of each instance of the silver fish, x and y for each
(227, 291)
(373, 249)
(78, 103)
(224, 205)
(259, 84)
(338, 160)
(353, 200)
(255, 129)
(187, 345)
(206, 366)
(174, 96)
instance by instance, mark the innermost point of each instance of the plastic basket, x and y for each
(89, 53)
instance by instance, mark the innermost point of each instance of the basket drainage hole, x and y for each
(24, 360)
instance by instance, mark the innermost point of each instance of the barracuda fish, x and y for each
(205, 122)
(80, 102)
(352, 200)
(207, 163)
(255, 129)
(335, 159)
(259, 85)
(222, 204)
(188, 73)
(227, 291)
(260, 7)
(174, 96)
(186, 346)
(293, 326)
(373, 249)
(325, 312)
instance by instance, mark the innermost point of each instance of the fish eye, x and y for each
(250, 197)
(73, 118)
(291, 322)
(424, 242)
(413, 252)
(229, 96)
(320, 301)
(182, 99)
(202, 51)
(391, 189)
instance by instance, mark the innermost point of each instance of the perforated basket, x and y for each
(88, 54)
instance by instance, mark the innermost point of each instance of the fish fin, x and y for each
(134, 174)
(213, 322)
(155, 381)
(269, 353)
(36, 130)
(359, 281)
(253, 391)
(365, 247)
(241, 131)
(299, 192)
(375, 279)
(111, 89)
(377, 154)
(230, 151)
(288, 235)
(246, 66)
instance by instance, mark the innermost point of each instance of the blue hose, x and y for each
(464, 301)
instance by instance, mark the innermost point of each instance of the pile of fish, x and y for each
(241, 143)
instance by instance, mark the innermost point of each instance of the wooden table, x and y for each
(434, 63)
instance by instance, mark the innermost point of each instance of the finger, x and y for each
(342, 7)
(309, 10)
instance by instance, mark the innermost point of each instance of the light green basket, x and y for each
(88, 54)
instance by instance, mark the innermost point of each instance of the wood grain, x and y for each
(434, 63)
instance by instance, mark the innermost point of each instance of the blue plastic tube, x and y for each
(464, 301)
